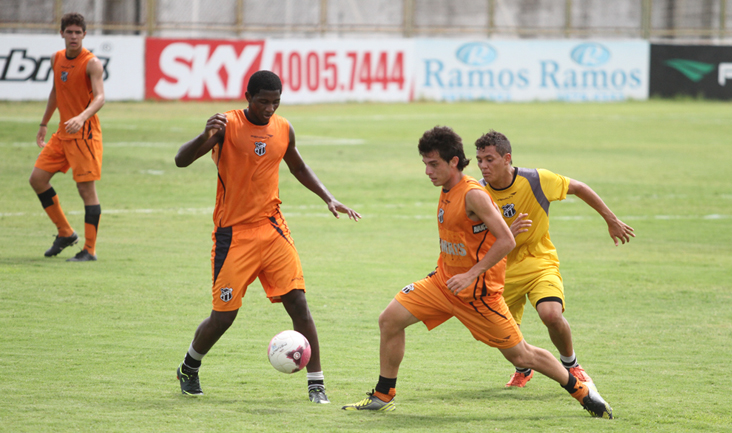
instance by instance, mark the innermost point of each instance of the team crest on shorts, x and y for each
(64, 76)
(441, 215)
(408, 289)
(226, 294)
(260, 148)
(508, 210)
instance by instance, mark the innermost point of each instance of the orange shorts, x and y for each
(263, 250)
(84, 157)
(487, 318)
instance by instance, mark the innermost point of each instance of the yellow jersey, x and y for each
(530, 192)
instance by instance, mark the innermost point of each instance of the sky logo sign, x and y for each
(590, 54)
(476, 54)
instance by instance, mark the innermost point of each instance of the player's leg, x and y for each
(515, 297)
(92, 213)
(85, 158)
(40, 181)
(392, 323)
(422, 301)
(296, 305)
(547, 296)
(234, 268)
(527, 356)
(207, 334)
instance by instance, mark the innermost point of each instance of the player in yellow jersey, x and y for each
(251, 238)
(78, 93)
(523, 196)
(467, 283)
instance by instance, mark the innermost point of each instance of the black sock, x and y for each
(524, 371)
(384, 385)
(320, 382)
(191, 365)
(571, 383)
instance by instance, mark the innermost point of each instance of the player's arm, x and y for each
(95, 70)
(305, 175)
(51, 106)
(478, 204)
(212, 135)
(619, 231)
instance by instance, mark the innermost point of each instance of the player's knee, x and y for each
(553, 319)
(221, 321)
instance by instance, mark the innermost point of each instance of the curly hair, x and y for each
(446, 142)
(494, 138)
(263, 80)
(73, 19)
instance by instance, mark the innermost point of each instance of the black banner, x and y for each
(691, 70)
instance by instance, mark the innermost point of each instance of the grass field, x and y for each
(94, 346)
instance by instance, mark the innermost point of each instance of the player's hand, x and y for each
(214, 124)
(620, 231)
(73, 125)
(41, 137)
(520, 224)
(337, 207)
(458, 282)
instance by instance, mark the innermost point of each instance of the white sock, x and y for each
(569, 361)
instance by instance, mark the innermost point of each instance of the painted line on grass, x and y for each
(296, 211)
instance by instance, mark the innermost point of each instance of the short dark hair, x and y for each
(263, 80)
(494, 138)
(73, 19)
(446, 142)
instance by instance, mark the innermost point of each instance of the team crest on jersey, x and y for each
(408, 289)
(64, 76)
(441, 215)
(226, 294)
(260, 148)
(508, 210)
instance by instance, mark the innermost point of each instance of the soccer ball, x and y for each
(289, 351)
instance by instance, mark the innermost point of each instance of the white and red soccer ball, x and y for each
(289, 351)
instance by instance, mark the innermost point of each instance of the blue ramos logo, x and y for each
(590, 54)
(476, 54)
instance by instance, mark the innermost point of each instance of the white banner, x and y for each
(25, 65)
(567, 70)
(337, 70)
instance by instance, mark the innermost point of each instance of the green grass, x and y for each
(94, 346)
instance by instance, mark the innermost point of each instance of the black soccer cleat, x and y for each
(189, 383)
(60, 243)
(317, 395)
(83, 256)
(596, 405)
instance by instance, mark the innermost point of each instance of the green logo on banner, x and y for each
(693, 70)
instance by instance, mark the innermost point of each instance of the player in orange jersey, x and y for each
(533, 266)
(251, 238)
(78, 93)
(467, 284)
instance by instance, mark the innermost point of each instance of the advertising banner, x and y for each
(312, 70)
(691, 70)
(25, 65)
(566, 70)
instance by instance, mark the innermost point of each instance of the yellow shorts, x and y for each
(263, 250)
(487, 318)
(84, 157)
(539, 287)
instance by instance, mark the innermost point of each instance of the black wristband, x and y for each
(43, 125)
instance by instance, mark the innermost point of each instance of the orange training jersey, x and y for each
(463, 242)
(249, 161)
(74, 94)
